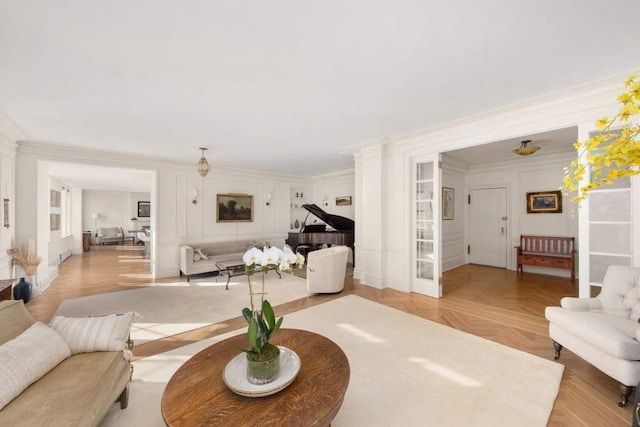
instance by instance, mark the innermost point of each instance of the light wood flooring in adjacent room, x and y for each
(488, 302)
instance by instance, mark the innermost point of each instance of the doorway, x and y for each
(487, 244)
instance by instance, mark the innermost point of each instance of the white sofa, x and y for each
(604, 330)
(327, 269)
(110, 235)
(192, 263)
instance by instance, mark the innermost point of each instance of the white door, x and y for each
(426, 262)
(488, 227)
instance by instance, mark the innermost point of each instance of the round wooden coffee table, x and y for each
(197, 395)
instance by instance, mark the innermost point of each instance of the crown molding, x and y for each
(454, 165)
(546, 161)
(65, 153)
(543, 113)
(10, 129)
(343, 173)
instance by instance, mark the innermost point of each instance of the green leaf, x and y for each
(252, 334)
(248, 314)
(262, 326)
(268, 313)
(261, 339)
(278, 323)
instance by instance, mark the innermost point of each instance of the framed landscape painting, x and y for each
(544, 202)
(343, 201)
(234, 208)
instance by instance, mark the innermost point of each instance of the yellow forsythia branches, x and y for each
(612, 154)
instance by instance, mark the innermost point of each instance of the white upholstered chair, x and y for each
(326, 269)
(604, 330)
(145, 239)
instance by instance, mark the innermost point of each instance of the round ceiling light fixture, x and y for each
(525, 149)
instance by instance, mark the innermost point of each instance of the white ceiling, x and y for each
(554, 142)
(291, 85)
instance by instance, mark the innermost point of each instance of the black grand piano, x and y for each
(313, 236)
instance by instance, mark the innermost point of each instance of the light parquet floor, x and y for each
(492, 303)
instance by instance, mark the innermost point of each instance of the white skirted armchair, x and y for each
(326, 269)
(604, 330)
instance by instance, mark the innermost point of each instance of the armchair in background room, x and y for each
(145, 238)
(327, 269)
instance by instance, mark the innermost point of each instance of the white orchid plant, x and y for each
(262, 322)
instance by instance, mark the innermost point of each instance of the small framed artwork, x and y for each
(144, 209)
(544, 202)
(448, 202)
(55, 199)
(343, 201)
(234, 207)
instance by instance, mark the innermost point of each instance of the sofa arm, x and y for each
(581, 304)
(186, 258)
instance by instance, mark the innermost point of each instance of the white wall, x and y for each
(57, 243)
(453, 231)
(9, 134)
(327, 187)
(180, 221)
(522, 176)
(115, 209)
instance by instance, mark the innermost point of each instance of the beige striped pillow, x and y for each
(27, 358)
(89, 334)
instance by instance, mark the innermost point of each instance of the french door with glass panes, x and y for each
(426, 262)
(606, 230)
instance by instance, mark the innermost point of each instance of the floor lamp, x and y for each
(95, 217)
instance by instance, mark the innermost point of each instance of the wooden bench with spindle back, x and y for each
(547, 251)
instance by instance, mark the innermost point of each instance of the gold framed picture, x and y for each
(343, 201)
(234, 207)
(544, 202)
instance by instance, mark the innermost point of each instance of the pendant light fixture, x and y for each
(525, 149)
(203, 165)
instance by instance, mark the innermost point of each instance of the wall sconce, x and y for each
(325, 200)
(268, 200)
(195, 197)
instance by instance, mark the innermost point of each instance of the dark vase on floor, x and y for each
(22, 290)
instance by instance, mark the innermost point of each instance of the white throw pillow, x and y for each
(196, 256)
(89, 334)
(27, 358)
(202, 254)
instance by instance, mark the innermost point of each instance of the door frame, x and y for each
(511, 221)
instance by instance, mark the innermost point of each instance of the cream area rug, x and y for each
(167, 309)
(405, 371)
